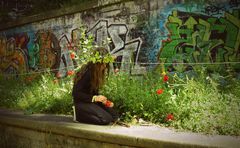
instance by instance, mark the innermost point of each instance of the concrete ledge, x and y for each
(41, 130)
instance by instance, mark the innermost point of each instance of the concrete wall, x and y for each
(58, 131)
(26, 132)
(18, 137)
(142, 31)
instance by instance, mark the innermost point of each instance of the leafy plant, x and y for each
(86, 50)
(199, 103)
(191, 103)
(44, 95)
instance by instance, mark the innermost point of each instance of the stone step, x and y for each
(45, 130)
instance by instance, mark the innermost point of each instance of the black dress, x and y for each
(86, 110)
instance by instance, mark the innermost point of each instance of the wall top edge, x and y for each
(88, 5)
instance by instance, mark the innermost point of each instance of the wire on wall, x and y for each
(147, 63)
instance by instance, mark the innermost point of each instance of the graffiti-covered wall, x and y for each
(143, 32)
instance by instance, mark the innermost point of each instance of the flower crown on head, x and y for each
(101, 55)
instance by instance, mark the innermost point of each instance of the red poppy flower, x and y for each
(170, 117)
(159, 91)
(165, 78)
(70, 72)
(72, 55)
(108, 104)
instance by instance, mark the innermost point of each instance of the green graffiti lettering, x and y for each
(202, 38)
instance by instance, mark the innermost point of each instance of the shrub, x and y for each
(44, 94)
(198, 104)
(194, 100)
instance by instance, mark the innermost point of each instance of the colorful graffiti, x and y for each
(66, 62)
(48, 49)
(202, 38)
(120, 46)
(140, 31)
(44, 50)
(160, 29)
(18, 57)
(12, 58)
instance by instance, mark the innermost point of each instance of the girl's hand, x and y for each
(103, 100)
(100, 98)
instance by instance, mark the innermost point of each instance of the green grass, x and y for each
(198, 104)
(198, 101)
(44, 94)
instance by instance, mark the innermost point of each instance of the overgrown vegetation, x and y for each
(203, 103)
(195, 101)
(41, 94)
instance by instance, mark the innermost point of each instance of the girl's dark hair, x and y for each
(97, 71)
